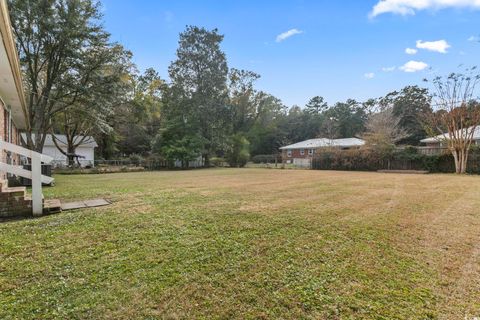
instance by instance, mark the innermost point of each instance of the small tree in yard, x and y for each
(384, 131)
(238, 153)
(457, 114)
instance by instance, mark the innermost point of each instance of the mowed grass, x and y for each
(249, 244)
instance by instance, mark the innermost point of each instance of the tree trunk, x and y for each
(455, 158)
(460, 157)
(463, 161)
(70, 157)
(207, 160)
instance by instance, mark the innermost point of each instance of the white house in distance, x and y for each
(301, 153)
(86, 150)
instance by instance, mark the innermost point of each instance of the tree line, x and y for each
(80, 83)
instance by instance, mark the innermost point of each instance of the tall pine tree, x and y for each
(199, 83)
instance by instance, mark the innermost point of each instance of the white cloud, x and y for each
(437, 46)
(473, 38)
(388, 69)
(409, 7)
(413, 66)
(369, 75)
(287, 34)
(410, 51)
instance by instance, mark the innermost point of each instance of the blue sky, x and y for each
(337, 49)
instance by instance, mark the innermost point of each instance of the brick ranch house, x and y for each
(301, 153)
(12, 100)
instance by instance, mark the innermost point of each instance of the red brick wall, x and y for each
(296, 153)
(433, 144)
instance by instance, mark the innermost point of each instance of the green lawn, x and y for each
(249, 243)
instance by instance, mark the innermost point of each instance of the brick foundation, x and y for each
(13, 202)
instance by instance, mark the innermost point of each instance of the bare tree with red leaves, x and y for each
(456, 115)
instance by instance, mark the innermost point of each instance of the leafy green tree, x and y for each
(238, 152)
(62, 46)
(147, 101)
(243, 99)
(410, 105)
(314, 117)
(177, 139)
(268, 132)
(199, 79)
(139, 120)
(348, 119)
(183, 148)
(90, 113)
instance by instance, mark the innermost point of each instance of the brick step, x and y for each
(11, 192)
(29, 197)
(15, 202)
(51, 206)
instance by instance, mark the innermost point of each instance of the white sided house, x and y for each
(301, 153)
(85, 151)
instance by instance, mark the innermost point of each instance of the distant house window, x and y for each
(310, 152)
(289, 153)
(302, 152)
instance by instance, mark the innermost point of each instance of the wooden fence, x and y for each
(442, 163)
(148, 164)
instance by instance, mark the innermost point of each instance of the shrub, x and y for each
(408, 158)
(135, 159)
(218, 162)
(355, 159)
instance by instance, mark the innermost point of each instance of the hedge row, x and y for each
(408, 159)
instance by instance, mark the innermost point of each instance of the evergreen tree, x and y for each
(199, 81)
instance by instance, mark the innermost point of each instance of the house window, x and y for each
(302, 152)
(310, 152)
(289, 153)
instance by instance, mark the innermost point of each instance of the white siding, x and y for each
(61, 159)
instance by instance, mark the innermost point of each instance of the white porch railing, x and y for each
(35, 175)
